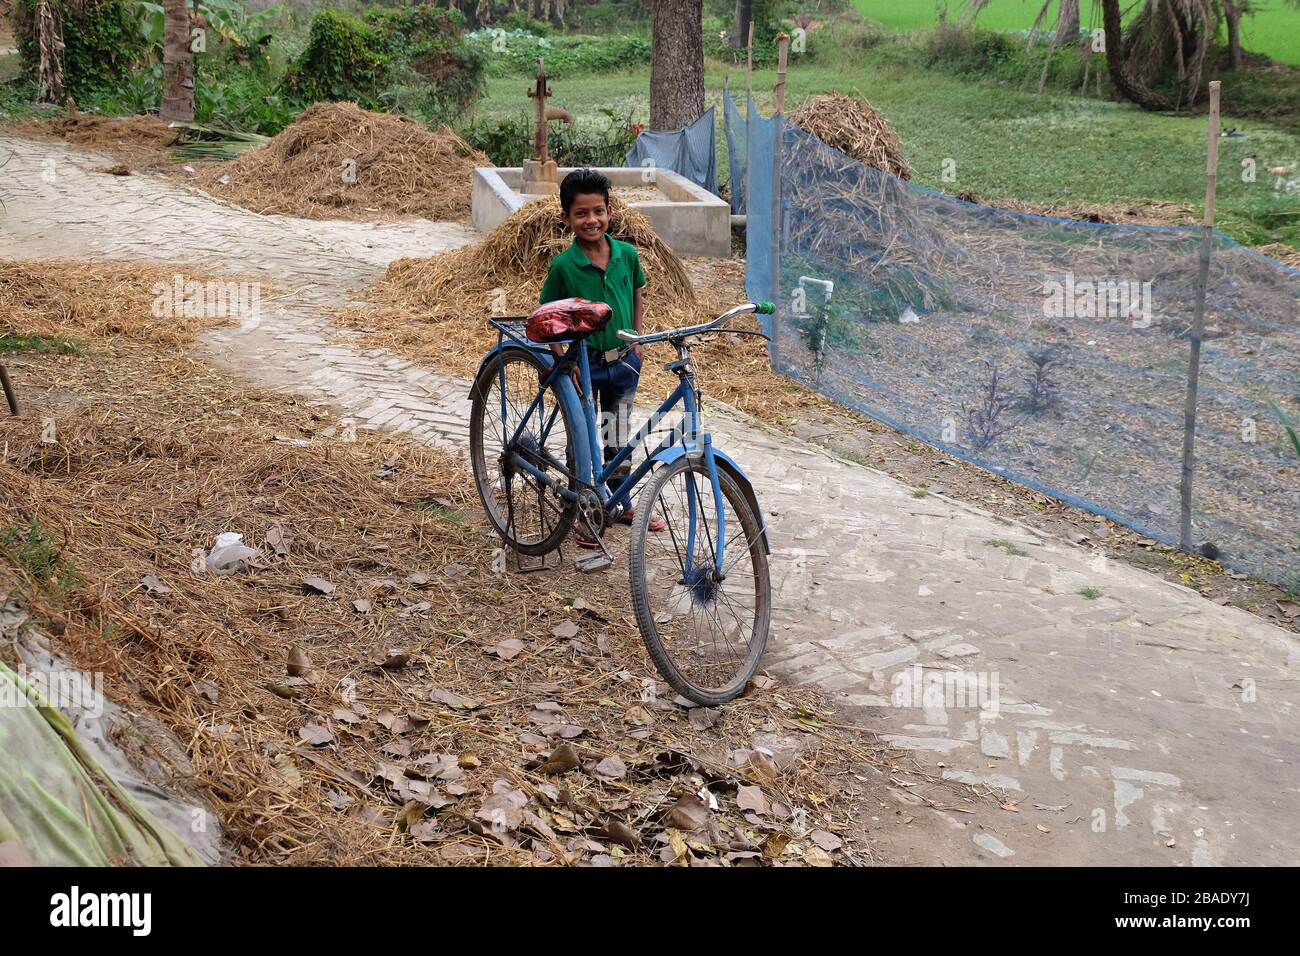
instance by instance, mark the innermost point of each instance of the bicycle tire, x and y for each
(486, 395)
(643, 591)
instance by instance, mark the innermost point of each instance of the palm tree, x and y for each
(178, 63)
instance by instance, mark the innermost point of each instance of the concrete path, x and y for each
(1111, 716)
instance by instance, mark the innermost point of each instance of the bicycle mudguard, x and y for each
(725, 463)
(568, 396)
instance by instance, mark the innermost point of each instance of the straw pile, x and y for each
(855, 128)
(1287, 255)
(139, 141)
(401, 168)
(76, 299)
(437, 309)
(369, 691)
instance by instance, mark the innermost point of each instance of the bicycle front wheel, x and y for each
(506, 426)
(705, 630)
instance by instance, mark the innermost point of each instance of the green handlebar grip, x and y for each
(765, 308)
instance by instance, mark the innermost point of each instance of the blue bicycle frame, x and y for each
(586, 442)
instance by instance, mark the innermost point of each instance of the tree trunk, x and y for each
(676, 64)
(1067, 24)
(178, 63)
(1233, 16)
(740, 23)
(1128, 87)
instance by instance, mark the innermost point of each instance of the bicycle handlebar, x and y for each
(761, 308)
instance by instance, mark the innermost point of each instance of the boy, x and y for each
(600, 268)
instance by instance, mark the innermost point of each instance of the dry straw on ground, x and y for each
(369, 690)
(338, 161)
(141, 142)
(855, 128)
(78, 299)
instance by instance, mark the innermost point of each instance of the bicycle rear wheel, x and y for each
(531, 517)
(705, 632)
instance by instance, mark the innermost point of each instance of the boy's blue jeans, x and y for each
(614, 387)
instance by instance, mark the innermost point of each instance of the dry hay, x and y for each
(402, 168)
(74, 299)
(854, 127)
(1287, 255)
(437, 309)
(433, 687)
(141, 142)
(1143, 212)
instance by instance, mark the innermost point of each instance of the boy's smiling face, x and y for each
(588, 217)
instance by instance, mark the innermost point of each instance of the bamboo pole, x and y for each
(749, 60)
(782, 61)
(1198, 328)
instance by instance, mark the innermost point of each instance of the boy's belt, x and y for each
(608, 358)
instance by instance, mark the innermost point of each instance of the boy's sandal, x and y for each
(656, 523)
(583, 538)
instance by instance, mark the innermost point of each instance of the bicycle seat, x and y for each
(567, 319)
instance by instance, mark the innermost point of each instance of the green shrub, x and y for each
(435, 74)
(514, 52)
(962, 50)
(102, 43)
(509, 141)
(344, 60)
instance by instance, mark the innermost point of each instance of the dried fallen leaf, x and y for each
(702, 718)
(611, 768)
(826, 840)
(565, 630)
(751, 798)
(318, 585)
(689, 814)
(316, 735)
(507, 649)
(298, 663)
(453, 700)
(417, 579)
(816, 856)
(363, 605)
(1011, 807)
(616, 831)
(563, 759)
(469, 760)
(153, 585)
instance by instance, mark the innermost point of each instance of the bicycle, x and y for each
(702, 598)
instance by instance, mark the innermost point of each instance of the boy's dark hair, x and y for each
(582, 181)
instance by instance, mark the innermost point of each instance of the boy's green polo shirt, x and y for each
(572, 274)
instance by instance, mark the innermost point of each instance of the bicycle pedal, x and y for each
(594, 561)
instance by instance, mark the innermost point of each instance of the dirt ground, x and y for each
(368, 689)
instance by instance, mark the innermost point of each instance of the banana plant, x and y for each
(227, 17)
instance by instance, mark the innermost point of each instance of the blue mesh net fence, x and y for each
(1050, 351)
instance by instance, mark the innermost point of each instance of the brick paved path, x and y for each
(1144, 725)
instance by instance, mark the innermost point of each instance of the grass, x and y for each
(1008, 547)
(11, 342)
(1004, 142)
(1090, 593)
(34, 549)
(1274, 30)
